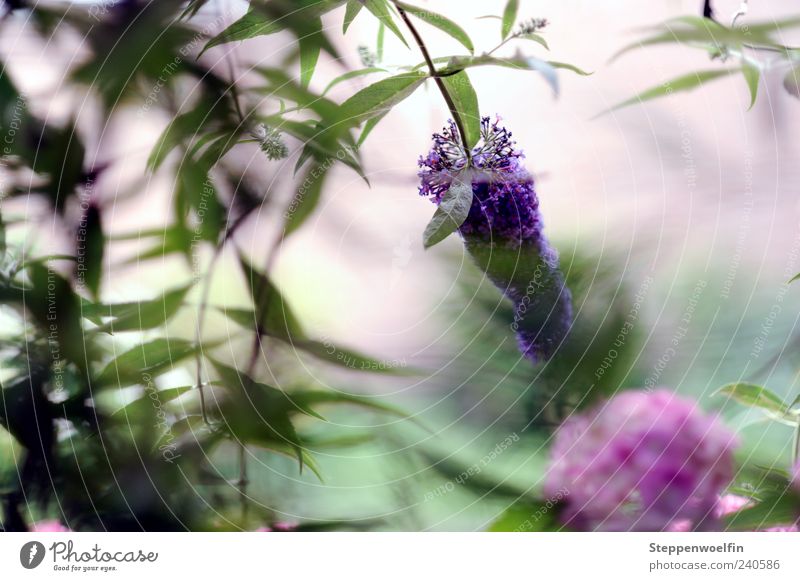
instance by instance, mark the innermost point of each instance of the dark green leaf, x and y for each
(91, 245)
(145, 403)
(451, 212)
(274, 315)
(146, 360)
(444, 24)
(139, 315)
(509, 17)
(466, 102)
(306, 198)
(252, 24)
(352, 10)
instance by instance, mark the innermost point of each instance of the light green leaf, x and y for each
(537, 38)
(444, 24)
(274, 314)
(509, 17)
(751, 76)
(759, 397)
(383, 12)
(380, 97)
(569, 67)
(451, 212)
(466, 102)
(680, 84)
(368, 127)
(306, 198)
(146, 402)
(380, 41)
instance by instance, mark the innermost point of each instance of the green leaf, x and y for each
(382, 11)
(307, 399)
(752, 395)
(451, 212)
(148, 359)
(442, 23)
(751, 75)
(368, 127)
(306, 198)
(509, 17)
(774, 510)
(274, 314)
(380, 41)
(91, 248)
(569, 67)
(145, 402)
(537, 38)
(309, 51)
(526, 516)
(352, 75)
(352, 10)
(380, 97)
(466, 102)
(794, 278)
(139, 315)
(791, 82)
(680, 84)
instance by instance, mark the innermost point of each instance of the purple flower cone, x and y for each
(503, 232)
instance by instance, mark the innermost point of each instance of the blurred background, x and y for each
(676, 220)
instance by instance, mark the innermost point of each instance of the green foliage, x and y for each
(509, 17)
(444, 24)
(755, 396)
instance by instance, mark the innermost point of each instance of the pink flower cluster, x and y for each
(641, 462)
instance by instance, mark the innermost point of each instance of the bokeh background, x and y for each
(679, 216)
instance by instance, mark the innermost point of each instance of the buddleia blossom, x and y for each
(530, 26)
(641, 461)
(270, 142)
(504, 232)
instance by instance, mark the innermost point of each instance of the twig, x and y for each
(437, 78)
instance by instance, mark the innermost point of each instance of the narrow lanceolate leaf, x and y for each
(680, 84)
(306, 198)
(509, 17)
(136, 316)
(444, 24)
(379, 97)
(352, 75)
(381, 10)
(756, 396)
(466, 102)
(350, 13)
(309, 52)
(142, 363)
(794, 278)
(451, 212)
(537, 38)
(91, 250)
(252, 24)
(368, 127)
(751, 75)
(791, 82)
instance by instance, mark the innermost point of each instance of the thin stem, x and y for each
(437, 79)
(243, 481)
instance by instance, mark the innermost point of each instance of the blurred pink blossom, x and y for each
(641, 461)
(49, 526)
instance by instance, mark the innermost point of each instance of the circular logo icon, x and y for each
(31, 554)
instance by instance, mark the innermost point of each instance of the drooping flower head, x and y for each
(503, 231)
(642, 461)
